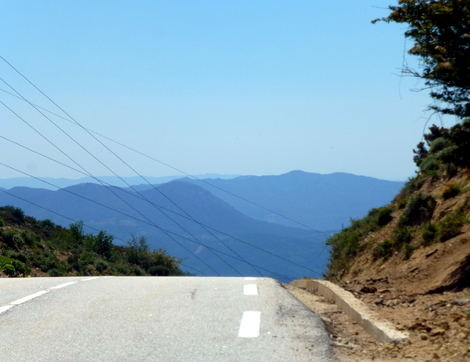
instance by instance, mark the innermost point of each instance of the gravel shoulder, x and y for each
(438, 324)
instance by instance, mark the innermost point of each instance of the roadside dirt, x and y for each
(438, 324)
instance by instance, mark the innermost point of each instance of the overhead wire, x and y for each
(143, 221)
(108, 168)
(207, 226)
(70, 219)
(87, 173)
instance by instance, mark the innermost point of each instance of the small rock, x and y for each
(379, 302)
(462, 302)
(411, 300)
(367, 289)
(437, 332)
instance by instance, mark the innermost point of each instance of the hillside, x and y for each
(410, 262)
(38, 248)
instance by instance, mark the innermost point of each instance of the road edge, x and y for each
(382, 331)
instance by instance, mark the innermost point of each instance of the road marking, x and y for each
(5, 308)
(250, 278)
(250, 289)
(35, 295)
(29, 297)
(62, 285)
(249, 327)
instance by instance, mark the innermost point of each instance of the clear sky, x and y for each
(228, 87)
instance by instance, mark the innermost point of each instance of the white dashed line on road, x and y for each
(62, 285)
(29, 297)
(38, 294)
(250, 289)
(5, 308)
(249, 327)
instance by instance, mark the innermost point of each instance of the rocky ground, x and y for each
(438, 324)
(418, 295)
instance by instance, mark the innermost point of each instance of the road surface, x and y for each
(156, 319)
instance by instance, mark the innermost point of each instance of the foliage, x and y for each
(451, 225)
(346, 244)
(451, 190)
(413, 184)
(400, 242)
(419, 209)
(429, 234)
(12, 267)
(440, 31)
(383, 250)
(27, 243)
(444, 148)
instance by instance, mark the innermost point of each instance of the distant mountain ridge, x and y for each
(228, 224)
(9, 183)
(236, 237)
(321, 202)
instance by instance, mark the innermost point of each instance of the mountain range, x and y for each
(214, 231)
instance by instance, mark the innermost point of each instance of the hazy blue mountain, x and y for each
(54, 183)
(321, 202)
(235, 236)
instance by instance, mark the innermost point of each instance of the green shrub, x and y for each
(451, 225)
(438, 144)
(12, 213)
(412, 185)
(402, 235)
(48, 264)
(451, 190)
(30, 237)
(419, 209)
(16, 255)
(159, 270)
(408, 250)
(429, 164)
(429, 234)
(138, 271)
(13, 267)
(101, 266)
(9, 269)
(56, 272)
(20, 268)
(11, 239)
(383, 250)
(384, 215)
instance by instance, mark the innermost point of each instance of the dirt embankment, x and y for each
(426, 294)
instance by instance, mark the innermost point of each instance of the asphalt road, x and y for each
(156, 319)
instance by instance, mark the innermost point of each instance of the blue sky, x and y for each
(228, 87)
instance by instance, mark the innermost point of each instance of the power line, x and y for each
(183, 216)
(68, 218)
(153, 225)
(70, 137)
(183, 172)
(89, 132)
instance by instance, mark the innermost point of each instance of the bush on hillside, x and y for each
(26, 243)
(419, 209)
